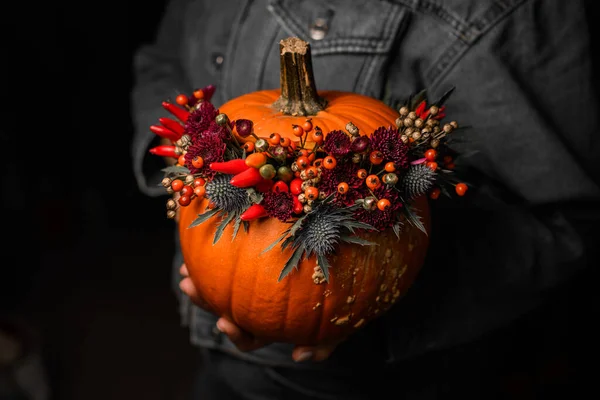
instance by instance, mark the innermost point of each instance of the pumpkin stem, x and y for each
(298, 90)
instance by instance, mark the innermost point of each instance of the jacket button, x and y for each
(218, 60)
(318, 29)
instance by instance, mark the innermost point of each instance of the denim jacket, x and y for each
(523, 76)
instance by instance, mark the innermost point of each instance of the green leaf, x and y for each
(236, 227)
(246, 226)
(291, 263)
(176, 169)
(357, 240)
(359, 225)
(324, 264)
(270, 247)
(297, 225)
(397, 229)
(416, 99)
(222, 226)
(444, 97)
(204, 217)
(254, 196)
(414, 219)
(287, 242)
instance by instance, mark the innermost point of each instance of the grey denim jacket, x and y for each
(523, 77)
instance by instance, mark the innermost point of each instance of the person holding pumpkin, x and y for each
(499, 255)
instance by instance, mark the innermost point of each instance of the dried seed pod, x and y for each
(390, 179)
(403, 111)
(356, 158)
(408, 122)
(399, 122)
(404, 139)
(454, 124)
(170, 190)
(303, 175)
(166, 182)
(302, 198)
(189, 179)
(295, 167)
(171, 214)
(370, 203)
(221, 119)
(412, 115)
(307, 208)
(419, 123)
(171, 204)
(435, 143)
(433, 110)
(448, 128)
(305, 185)
(352, 129)
(416, 135)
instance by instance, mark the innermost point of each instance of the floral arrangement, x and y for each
(328, 186)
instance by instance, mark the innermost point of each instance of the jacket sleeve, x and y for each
(158, 76)
(526, 228)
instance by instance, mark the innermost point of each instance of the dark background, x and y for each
(85, 265)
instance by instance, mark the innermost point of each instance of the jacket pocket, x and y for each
(351, 41)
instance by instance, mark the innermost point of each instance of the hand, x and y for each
(245, 341)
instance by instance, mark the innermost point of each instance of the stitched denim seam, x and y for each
(500, 10)
(429, 7)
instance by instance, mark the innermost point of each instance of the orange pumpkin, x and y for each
(238, 280)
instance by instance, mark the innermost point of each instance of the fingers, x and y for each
(183, 270)
(187, 286)
(313, 353)
(242, 340)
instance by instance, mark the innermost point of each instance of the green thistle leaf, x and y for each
(175, 169)
(324, 264)
(291, 263)
(414, 219)
(416, 99)
(270, 247)
(254, 196)
(444, 97)
(397, 229)
(221, 228)
(246, 225)
(357, 240)
(204, 217)
(236, 227)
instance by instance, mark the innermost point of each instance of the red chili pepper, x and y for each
(164, 150)
(164, 132)
(424, 115)
(420, 108)
(250, 177)
(232, 167)
(208, 92)
(255, 211)
(440, 113)
(298, 207)
(179, 112)
(172, 125)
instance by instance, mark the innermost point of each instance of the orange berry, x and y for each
(461, 189)
(329, 162)
(343, 188)
(285, 141)
(181, 160)
(249, 147)
(197, 162)
(430, 155)
(376, 157)
(447, 159)
(303, 152)
(390, 167)
(177, 185)
(373, 181)
(303, 162)
(199, 94)
(312, 172)
(318, 136)
(435, 193)
(297, 130)
(432, 164)
(274, 139)
(307, 125)
(312, 157)
(362, 173)
(383, 204)
(182, 100)
(318, 162)
(200, 191)
(311, 193)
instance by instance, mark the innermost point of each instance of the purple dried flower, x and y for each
(381, 220)
(389, 143)
(200, 119)
(279, 205)
(210, 148)
(337, 143)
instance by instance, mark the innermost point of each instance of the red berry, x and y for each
(432, 164)
(430, 155)
(177, 185)
(383, 204)
(182, 99)
(187, 190)
(185, 200)
(376, 157)
(296, 186)
(461, 189)
(435, 193)
(280, 186)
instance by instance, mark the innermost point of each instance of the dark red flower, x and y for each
(279, 205)
(200, 119)
(337, 144)
(388, 142)
(216, 130)
(210, 148)
(381, 220)
(344, 171)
